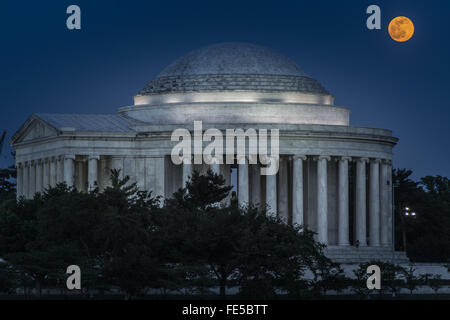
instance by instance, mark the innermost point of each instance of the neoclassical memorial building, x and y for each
(333, 178)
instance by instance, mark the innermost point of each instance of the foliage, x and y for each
(411, 280)
(8, 278)
(7, 183)
(359, 284)
(123, 238)
(433, 281)
(426, 236)
(125, 253)
(195, 242)
(105, 234)
(241, 245)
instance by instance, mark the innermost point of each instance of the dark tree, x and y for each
(425, 235)
(224, 246)
(8, 183)
(406, 193)
(128, 257)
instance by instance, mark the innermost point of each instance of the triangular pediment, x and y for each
(33, 129)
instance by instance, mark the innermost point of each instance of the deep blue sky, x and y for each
(124, 44)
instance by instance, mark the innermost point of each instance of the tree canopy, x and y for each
(195, 242)
(128, 239)
(426, 234)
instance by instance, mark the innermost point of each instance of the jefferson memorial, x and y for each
(333, 178)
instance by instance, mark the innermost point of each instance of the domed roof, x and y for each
(233, 58)
(231, 67)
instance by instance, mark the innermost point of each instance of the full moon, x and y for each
(401, 29)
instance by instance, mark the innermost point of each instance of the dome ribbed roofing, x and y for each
(233, 66)
(233, 58)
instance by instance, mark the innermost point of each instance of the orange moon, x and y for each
(401, 29)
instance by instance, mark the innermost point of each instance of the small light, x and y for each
(413, 213)
(406, 213)
(406, 208)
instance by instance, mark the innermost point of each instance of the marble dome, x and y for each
(233, 58)
(233, 67)
(234, 83)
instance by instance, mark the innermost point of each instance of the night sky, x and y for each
(44, 67)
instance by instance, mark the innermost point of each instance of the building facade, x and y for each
(333, 178)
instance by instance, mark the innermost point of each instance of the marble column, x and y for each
(59, 169)
(39, 183)
(374, 203)
(390, 208)
(79, 175)
(69, 170)
(322, 199)
(343, 202)
(26, 180)
(283, 190)
(187, 171)
(140, 173)
(53, 172)
(271, 195)
(243, 187)
(45, 174)
(384, 203)
(297, 190)
(255, 186)
(160, 177)
(19, 180)
(93, 172)
(360, 202)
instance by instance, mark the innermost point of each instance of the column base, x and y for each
(351, 254)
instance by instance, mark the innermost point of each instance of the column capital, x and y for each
(69, 157)
(365, 160)
(324, 157)
(94, 157)
(387, 161)
(299, 157)
(81, 159)
(375, 160)
(344, 158)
